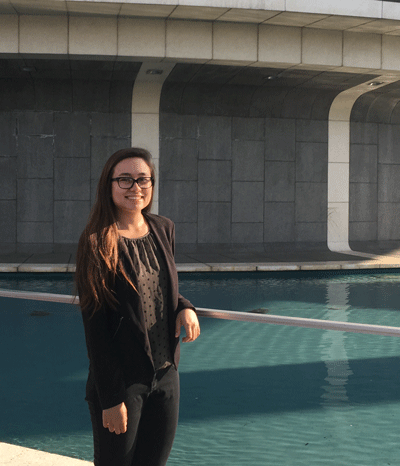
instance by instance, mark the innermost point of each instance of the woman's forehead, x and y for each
(134, 165)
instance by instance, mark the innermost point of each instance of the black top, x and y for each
(118, 343)
(152, 278)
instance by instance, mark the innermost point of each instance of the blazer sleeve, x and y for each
(104, 363)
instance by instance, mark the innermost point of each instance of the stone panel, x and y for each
(280, 137)
(192, 99)
(101, 150)
(311, 131)
(247, 160)
(171, 100)
(311, 232)
(178, 126)
(35, 200)
(214, 222)
(72, 131)
(53, 94)
(35, 157)
(363, 202)
(7, 135)
(299, 103)
(8, 177)
(35, 232)
(247, 202)
(214, 180)
(388, 183)
(247, 233)
(110, 125)
(363, 133)
(311, 202)
(186, 233)
(363, 231)
(72, 179)
(312, 162)
(388, 221)
(17, 94)
(91, 96)
(178, 159)
(267, 102)
(35, 123)
(121, 96)
(363, 163)
(8, 221)
(234, 101)
(279, 222)
(389, 143)
(70, 218)
(248, 129)
(279, 181)
(178, 200)
(215, 138)
(322, 104)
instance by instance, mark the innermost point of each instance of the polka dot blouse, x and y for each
(152, 279)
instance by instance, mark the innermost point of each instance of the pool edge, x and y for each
(15, 455)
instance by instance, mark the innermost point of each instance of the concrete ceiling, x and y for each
(273, 17)
(243, 83)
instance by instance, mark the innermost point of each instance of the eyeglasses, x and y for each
(127, 182)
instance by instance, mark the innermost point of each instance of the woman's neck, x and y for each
(132, 226)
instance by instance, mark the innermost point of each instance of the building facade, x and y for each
(269, 121)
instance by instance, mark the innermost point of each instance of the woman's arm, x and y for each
(104, 362)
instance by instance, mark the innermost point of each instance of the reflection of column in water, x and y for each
(333, 347)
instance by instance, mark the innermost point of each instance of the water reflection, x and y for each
(333, 348)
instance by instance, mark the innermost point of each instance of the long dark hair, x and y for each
(97, 261)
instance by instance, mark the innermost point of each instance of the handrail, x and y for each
(234, 315)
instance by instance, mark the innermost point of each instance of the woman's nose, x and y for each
(135, 187)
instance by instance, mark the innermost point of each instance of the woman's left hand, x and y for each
(188, 318)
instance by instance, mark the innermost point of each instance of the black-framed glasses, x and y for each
(127, 182)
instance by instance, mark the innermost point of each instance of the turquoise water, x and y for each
(252, 394)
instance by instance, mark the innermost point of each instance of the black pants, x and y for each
(152, 421)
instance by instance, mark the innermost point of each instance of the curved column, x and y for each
(339, 161)
(146, 112)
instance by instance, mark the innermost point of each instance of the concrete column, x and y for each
(339, 161)
(145, 112)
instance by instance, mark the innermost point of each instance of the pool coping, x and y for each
(377, 262)
(17, 455)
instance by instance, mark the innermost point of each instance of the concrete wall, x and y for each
(238, 163)
(55, 136)
(230, 177)
(374, 183)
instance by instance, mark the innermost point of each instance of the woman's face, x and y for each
(134, 199)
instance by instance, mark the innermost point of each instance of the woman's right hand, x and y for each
(115, 419)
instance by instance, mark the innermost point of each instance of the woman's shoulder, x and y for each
(159, 220)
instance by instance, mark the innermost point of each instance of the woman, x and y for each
(133, 314)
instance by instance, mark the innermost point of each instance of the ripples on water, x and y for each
(252, 394)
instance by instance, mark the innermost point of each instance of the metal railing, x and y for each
(234, 315)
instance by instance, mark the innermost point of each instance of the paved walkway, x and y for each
(210, 258)
(14, 455)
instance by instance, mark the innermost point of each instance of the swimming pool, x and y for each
(251, 393)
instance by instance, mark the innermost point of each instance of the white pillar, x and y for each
(339, 161)
(146, 112)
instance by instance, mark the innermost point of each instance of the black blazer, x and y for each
(117, 342)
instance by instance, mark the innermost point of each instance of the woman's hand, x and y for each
(188, 318)
(115, 419)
